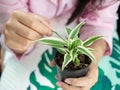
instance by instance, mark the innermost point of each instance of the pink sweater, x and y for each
(100, 21)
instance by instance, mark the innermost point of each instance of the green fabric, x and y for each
(49, 75)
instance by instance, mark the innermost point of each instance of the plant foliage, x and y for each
(72, 46)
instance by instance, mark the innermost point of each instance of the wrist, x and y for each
(100, 47)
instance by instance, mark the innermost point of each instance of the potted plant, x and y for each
(73, 56)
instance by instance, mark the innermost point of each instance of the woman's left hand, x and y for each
(86, 82)
(82, 83)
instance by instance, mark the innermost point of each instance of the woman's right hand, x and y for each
(23, 28)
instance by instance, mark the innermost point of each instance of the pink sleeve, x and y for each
(100, 21)
(6, 9)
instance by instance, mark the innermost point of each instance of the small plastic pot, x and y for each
(70, 73)
(67, 73)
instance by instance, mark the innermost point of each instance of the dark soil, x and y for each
(84, 62)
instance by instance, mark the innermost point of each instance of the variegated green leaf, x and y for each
(76, 42)
(85, 51)
(73, 54)
(68, 42)
(68, 30)
(54, 42)
(91, 49)
(75, 31)
(90, 40)
(67, 60)
(62, 50)
(77, 61)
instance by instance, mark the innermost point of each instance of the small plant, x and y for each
(72, 46)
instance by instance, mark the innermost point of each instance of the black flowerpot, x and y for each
(70, 73)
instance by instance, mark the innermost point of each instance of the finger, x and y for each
(24, 31)
(16, 42)
(52, 63)
(89, 79)
(67, 87)
(31, 21)
(82, 81)
(44, 21)
(40, 18)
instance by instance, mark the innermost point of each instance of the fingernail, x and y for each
(59, 84)
(68, 81)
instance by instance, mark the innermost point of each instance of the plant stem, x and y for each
(58, 35)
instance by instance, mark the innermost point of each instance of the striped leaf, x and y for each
(68, 30)
(54, 42)
(73, 54)
(91, 40)
(91, 49)
(76, 42)
(75, 31)
(67, 60)
(61, 50)
(85, 51)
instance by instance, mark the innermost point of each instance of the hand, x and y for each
(82, 83)
(23, 28)
(86, 82)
